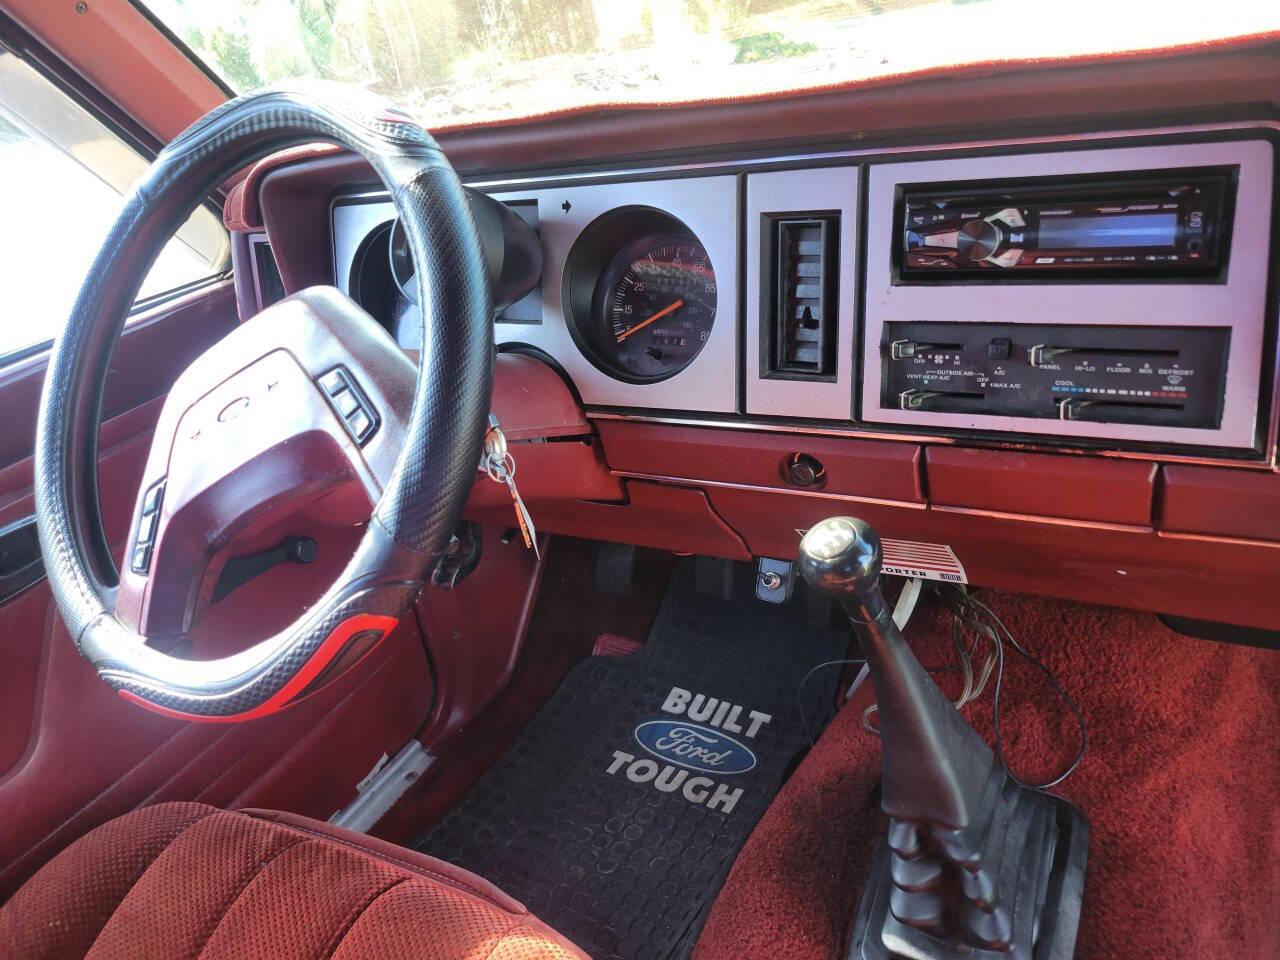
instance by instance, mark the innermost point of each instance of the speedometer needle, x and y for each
(657, 316)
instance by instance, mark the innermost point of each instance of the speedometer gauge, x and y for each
(653, 308)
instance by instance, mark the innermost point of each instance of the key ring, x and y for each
(501, 471)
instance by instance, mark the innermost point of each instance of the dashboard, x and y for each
(1044, 363)
(1108, 294)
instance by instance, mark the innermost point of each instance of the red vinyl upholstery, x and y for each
(186, 880)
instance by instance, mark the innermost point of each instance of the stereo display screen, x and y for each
(1122, 230)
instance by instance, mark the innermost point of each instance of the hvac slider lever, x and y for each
(974, 864)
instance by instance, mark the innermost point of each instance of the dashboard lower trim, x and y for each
(909, 505)
(756, 488)
(852, 431)
(1217, 541)
(1036, 518)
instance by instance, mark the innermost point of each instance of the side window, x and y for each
(63, 175)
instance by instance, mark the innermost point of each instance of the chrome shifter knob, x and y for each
(840, 557)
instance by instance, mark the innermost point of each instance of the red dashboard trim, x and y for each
(1039, 484)
(1202, 500)
(1031, 522)
(243, 211)
(854, 467)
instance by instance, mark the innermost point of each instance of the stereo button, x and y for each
(978, 240)
(1010, 215)
(1009, 258)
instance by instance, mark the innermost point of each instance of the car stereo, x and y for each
(1140, 226)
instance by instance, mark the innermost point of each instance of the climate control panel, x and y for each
(1172, 377)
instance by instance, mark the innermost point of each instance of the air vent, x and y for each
(799, 324)
(266, 273)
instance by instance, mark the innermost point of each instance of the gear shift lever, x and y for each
(974, 864)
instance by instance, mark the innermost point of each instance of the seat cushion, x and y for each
(188, 880)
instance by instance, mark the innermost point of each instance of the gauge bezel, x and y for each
(399, 242)
(372, 284)
(596, 263)
(370, 277)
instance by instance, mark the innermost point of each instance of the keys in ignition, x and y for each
(500, 465)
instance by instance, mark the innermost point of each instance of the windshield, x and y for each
(457, 62)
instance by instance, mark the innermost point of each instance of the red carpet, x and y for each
(1181, 784)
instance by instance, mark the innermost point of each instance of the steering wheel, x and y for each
(307, 405)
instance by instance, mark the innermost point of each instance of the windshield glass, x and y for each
(456, 62)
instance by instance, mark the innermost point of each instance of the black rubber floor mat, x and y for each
(616, 814)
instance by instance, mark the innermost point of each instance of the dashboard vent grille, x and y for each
(799, 321)
(270, 286)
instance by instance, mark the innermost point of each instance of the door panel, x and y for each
(73, 754)
(154, 348)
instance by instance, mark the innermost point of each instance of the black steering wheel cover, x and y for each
(423, 500)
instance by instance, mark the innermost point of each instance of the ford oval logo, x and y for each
(695, 747)
(233, 409)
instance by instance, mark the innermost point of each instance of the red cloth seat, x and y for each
(187, 880)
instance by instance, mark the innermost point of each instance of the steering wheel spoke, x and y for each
(307, 409)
